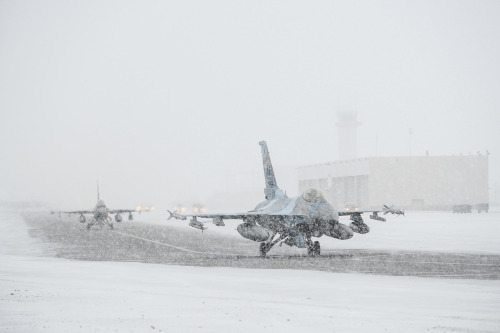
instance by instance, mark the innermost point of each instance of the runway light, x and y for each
(180, 208)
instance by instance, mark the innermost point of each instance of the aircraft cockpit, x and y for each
(314, 195)
(100, 204)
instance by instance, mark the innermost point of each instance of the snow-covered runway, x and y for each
(151, 241)
(40, 293)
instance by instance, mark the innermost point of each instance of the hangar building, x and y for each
(413, 182)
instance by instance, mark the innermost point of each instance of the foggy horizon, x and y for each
(165, 103)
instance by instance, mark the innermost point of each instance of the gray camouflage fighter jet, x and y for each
(101, 215)
(292, 221)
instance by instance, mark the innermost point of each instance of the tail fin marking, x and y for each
(272, 191)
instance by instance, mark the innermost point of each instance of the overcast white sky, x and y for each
(166, 101)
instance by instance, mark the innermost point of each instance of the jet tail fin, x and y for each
(272, 191)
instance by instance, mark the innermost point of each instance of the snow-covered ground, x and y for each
(40, 293)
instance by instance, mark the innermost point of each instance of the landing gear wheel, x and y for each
(310, 251)
(111, 226)
(263, 249)
(316, 249)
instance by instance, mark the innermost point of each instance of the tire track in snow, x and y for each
(165, 244)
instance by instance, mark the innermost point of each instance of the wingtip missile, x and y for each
(175, 215)
(393, 210)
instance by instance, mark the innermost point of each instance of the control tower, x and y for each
(348, 130)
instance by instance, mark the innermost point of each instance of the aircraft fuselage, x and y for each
(298, 218)
(101, 212)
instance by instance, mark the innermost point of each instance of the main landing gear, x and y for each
(314, 250)
(100, 223)
(266, 246)
(263, 249)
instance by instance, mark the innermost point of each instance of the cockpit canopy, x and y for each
(314, 195)
(100, 204)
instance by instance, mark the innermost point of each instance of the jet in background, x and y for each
(101, 215)
(292, 221)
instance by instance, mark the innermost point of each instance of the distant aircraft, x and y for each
(292, 221)
(393, 210)
(101, 215)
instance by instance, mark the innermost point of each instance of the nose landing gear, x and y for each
(314, 249)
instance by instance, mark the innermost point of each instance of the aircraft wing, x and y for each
(227, 216)
(354, 212)
(374, 213)
(79, 212)
(120, 211)
(218, 218)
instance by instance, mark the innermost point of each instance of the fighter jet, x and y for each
(101, 215)
(393, 210)
(292, 221)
